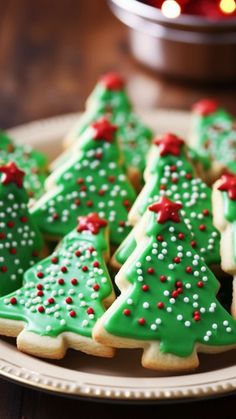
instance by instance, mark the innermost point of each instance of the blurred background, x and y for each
(52, 52)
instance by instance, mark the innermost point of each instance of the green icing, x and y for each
(49, 307)
(215, 139)
(134, 137)
(194, 195)
(106, 99)
(92, 180)
(20, 240)
(31, 161)
(178, 310)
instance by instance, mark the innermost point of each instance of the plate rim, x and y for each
(53, 128)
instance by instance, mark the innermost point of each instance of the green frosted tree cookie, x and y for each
(168, 302)
(63, 295)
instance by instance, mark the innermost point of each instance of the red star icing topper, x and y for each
(112, 81)
(166, 209)
(169, 144)
(205, 107)
(103, 130)
(91, 222)
(228, 183)
(12, 174)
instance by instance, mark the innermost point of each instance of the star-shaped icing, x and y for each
(112, 81)
(103, 130)
(169, 144)
(12, 174)
(91, 222)
(205, 107)
(228, 184)
(166, 210)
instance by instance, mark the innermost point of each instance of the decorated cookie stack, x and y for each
(224, 216)
(63, 296)
(213, 137)
(169, 173)
(167, 304)
(109, 99)
(93, 179)
(21, 243)
(31, 161)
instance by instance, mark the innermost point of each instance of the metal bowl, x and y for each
(189, 47)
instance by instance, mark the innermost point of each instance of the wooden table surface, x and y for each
(51, 53)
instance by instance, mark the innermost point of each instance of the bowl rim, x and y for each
(151, 13)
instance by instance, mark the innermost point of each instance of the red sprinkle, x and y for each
(189, 270)
(41, 309)
(145, 287)
(40, 293)
(159, 238)
(84, 268)
(101, 192)
(111, 179)
(176, 260)
(80, 180)
(55, 216)
(68, 300)
(61, 281)
(13, 251)
(2, 236)
(202, 227)
(35, 253)
(193, 243)
(175, 294)
(126, 312)
(181, 236)
(74, 281)
(96, 287)
(54, 260)
(13, 300)
(162, 187)
(4, 268)
(90, 310)
(163, 278)
(24, 219)
(89, 203)
(77, 202)
(39, 286)
(173, 168)
(188, 176)
(200, 284)
(64, 269)
(96, 264)
(78, 253)
(72, 313)
(205, 212)
(10, 224)
(160, 305)
(142, 321)
(150, 271)
(51, 300)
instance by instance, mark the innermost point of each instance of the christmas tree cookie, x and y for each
(63, 296)
(110, 100)
(224, 217)
(92, 180)
(109, 96)
(170, 173)
(213, 137)
(31, 161)
(168, 302)
(21, 243)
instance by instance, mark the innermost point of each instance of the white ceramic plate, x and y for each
(120, 378)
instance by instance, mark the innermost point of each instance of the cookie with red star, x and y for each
(109, 99)
(224, 218)
(93, 179)
(63, 296)
(213, 139)
(21, 243)
(168, 305)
